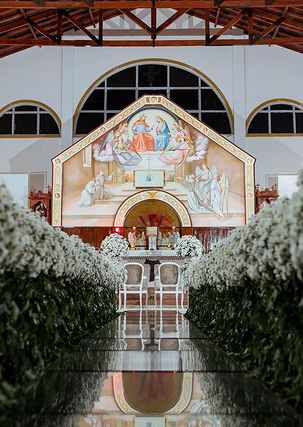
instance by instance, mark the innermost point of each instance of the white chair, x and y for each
(134, 283)
(168, 282)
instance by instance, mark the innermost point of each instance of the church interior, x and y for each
(159, 145)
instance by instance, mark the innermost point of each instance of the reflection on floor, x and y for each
(149, 369)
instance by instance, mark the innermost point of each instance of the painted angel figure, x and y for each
(224, 183)
(216, 195)
(103, 152)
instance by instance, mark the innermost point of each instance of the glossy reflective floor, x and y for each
(149, 369)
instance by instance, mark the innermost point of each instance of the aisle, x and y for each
(149, 369)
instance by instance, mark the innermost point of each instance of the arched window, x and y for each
(28, 118)
(118, 89)
(276, 117)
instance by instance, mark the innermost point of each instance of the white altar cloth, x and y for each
(157, 254)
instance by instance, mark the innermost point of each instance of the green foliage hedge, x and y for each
(262, 326)
(39, 317)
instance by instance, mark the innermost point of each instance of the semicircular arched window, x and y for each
(28, 119)
(276, 118)
(187, 89)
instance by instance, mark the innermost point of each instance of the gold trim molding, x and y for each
(152, 100)
(149, 195)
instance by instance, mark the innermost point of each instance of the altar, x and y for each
(159, 254)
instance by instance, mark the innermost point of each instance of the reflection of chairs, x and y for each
(133, 333)
(168, 280)
(134, 283)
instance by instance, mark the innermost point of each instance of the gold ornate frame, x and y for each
(148, 195)
(160, 101)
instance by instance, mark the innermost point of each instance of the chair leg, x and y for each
(182, 299)
(124, 300)
(161, 300)
(177, 299)
(140, 300)
(119, 298)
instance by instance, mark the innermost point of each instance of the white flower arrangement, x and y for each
(268, 249)
(189, 246)
(114, 246)
(29, 244)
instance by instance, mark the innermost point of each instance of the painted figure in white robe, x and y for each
(152, 242)
(202, 185)
(224, 182)
(143, 239)
(216, 195)
(132, 238)
(159, 238)
(100, 191)
(175, 237)
(87, 194)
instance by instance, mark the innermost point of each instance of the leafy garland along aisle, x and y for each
(247, 294)
(53, 289)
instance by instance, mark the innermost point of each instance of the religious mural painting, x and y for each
(154, 147)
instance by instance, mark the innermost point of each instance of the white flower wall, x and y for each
(29, 244)
(269, 248)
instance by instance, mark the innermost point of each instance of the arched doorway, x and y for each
(152, 213)
(177, 213)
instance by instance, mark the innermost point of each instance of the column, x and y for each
(239, 95)
(67, 96)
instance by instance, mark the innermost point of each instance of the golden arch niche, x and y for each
(153, 150)
(152, 208)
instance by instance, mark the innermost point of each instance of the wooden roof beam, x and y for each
(39, 2)
(137, 21)
(217, 17)
(153, 22)
(77, 24)
(145, 4)
(282, 41)
(38, 28)
(23, 14)
(278, 27)
(290, 22)
(268, 30)
(170, 20)
(226, 27)
(20, 22)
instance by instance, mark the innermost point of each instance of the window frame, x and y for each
(41, 109)
(204, 83)
(261, 109)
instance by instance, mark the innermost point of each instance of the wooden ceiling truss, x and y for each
(46, 23)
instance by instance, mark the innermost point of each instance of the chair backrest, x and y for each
(169, 274)
(134, 274)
